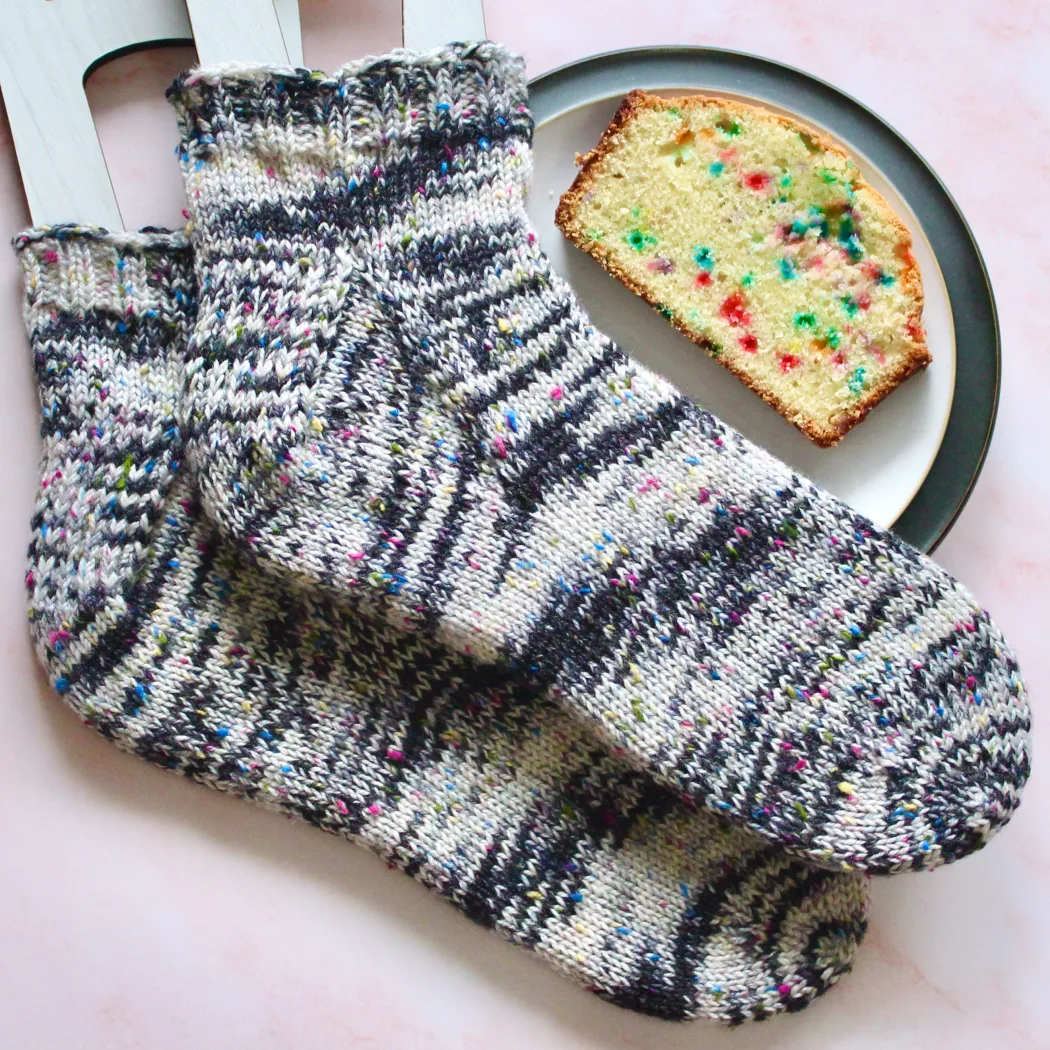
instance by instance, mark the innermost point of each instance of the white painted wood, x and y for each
(237, 31)
(430, 23)
(291, 29)
(46, 48)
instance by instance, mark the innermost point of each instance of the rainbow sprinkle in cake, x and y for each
(758, 239)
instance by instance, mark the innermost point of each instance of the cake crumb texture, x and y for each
(757, 237)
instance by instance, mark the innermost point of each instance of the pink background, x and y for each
(140, 911)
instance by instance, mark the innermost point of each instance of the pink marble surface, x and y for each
(140, 911)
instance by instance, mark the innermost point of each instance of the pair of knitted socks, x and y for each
(395, 410)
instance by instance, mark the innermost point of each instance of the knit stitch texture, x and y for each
(161, 635)
(392, 395)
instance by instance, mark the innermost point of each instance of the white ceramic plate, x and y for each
(879, 466)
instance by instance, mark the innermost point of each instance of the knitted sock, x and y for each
(156, 631)
(393, 395)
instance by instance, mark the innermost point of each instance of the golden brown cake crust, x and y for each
(910, 278)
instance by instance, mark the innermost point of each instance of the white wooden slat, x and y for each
(428, 24)
(291, 29)
(237, 31)
(45, 50)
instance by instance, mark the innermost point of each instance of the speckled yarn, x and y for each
(393, 395)
(157, 632)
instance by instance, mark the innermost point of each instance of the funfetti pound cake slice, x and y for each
(757, 237)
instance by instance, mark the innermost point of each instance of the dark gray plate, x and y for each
(939, 500)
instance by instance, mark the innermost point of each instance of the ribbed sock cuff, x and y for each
(74, 269)
(460, 91)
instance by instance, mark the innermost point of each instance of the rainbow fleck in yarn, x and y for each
(157, 633)
(393, 395)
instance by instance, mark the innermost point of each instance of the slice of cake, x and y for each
(758, 239)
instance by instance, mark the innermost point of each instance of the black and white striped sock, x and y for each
(161, 635)
(393, 396)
